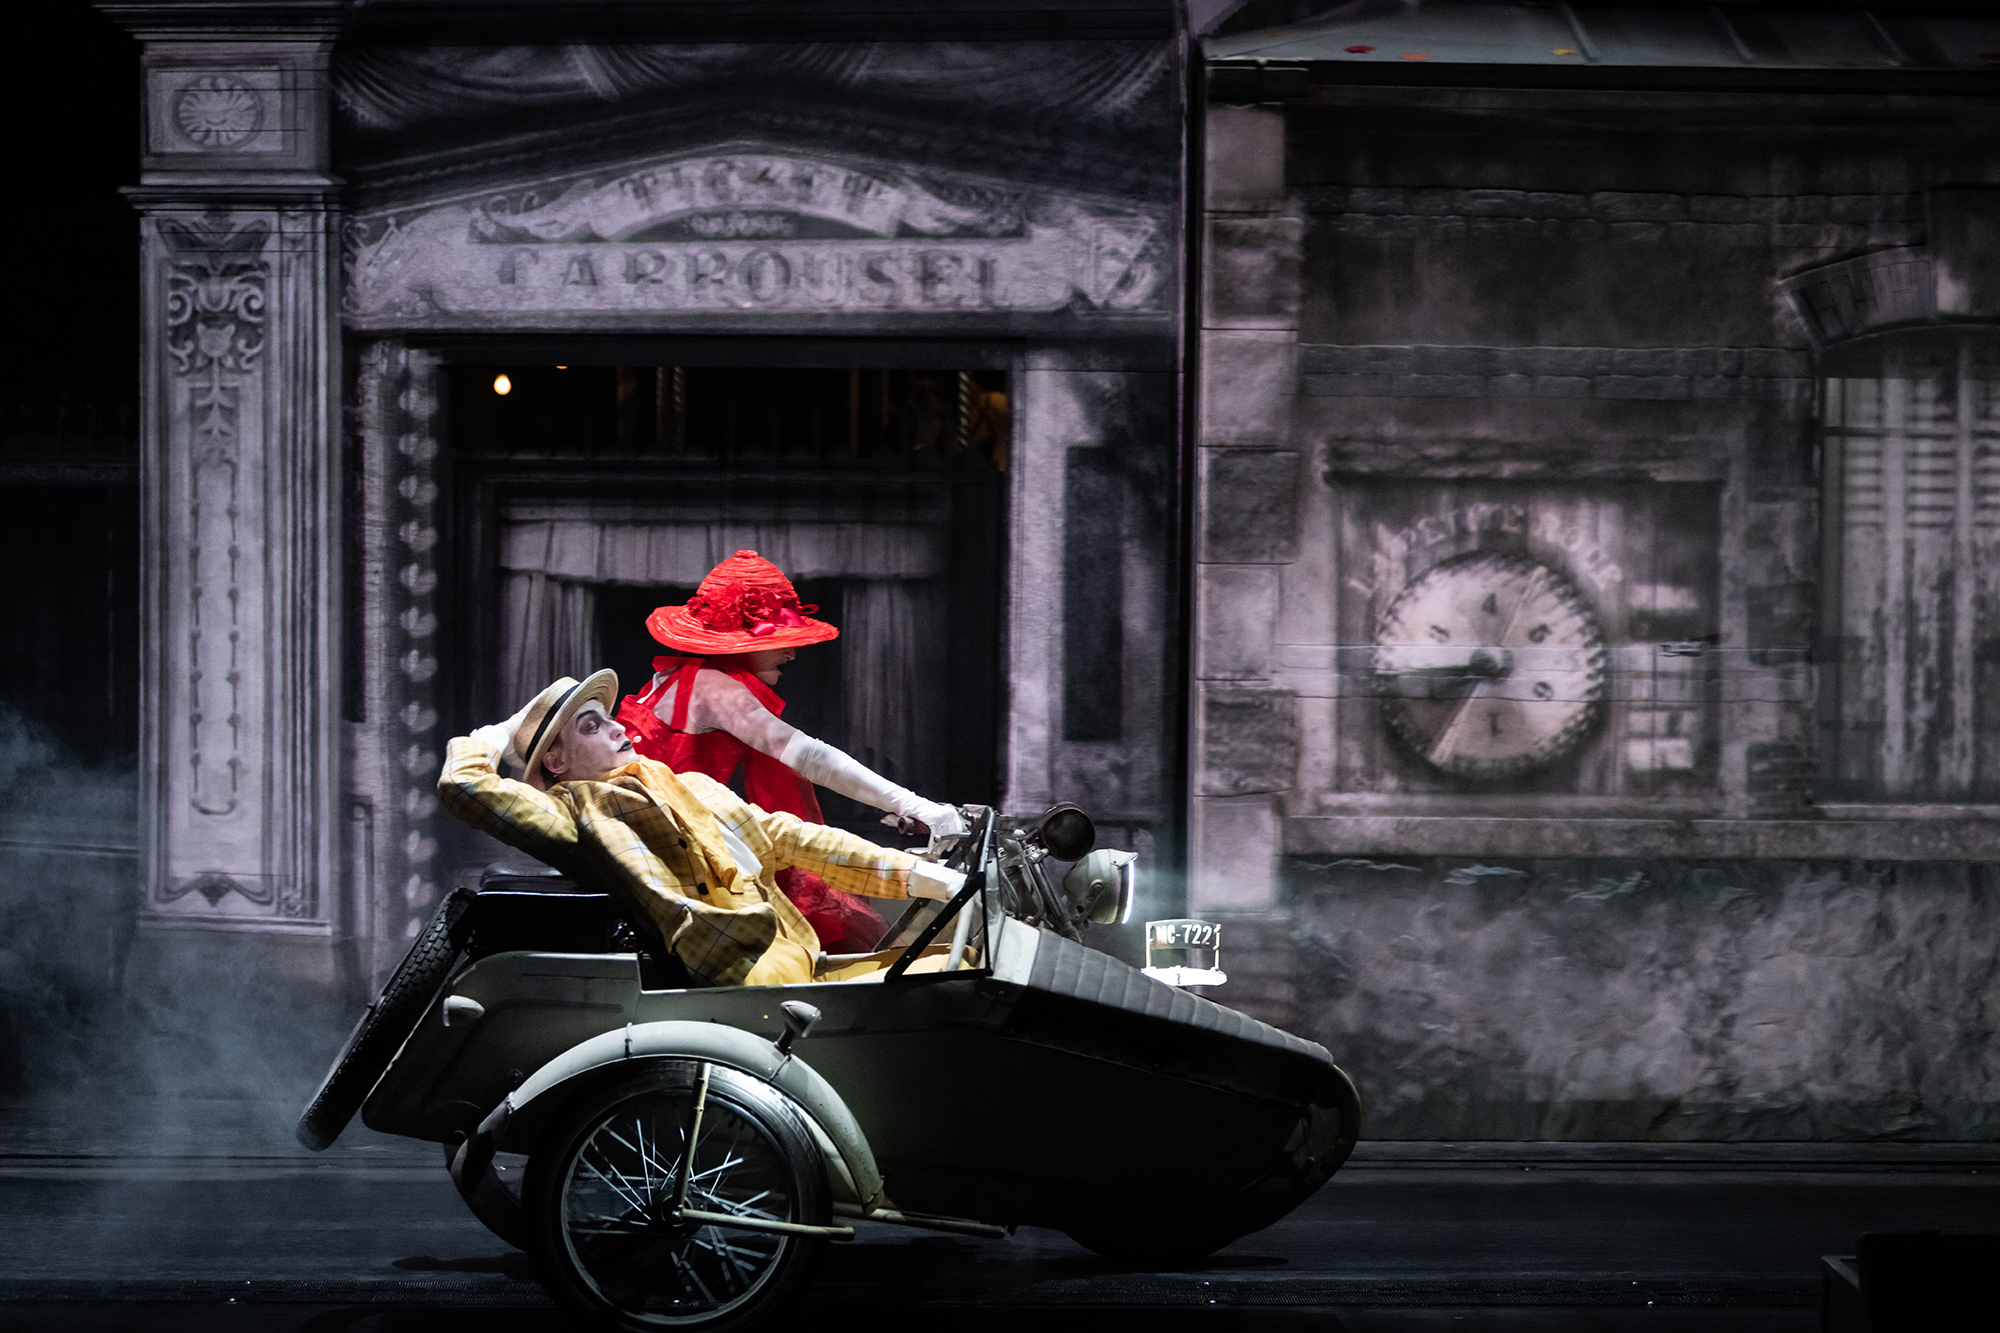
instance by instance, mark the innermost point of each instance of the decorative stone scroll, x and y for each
(755, 232)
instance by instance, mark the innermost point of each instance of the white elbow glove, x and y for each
(816, 761)
(942, 820)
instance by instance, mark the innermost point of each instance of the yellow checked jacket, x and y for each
(653, 838)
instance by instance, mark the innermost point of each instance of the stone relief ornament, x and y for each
(1490, 665)
(716, 196)
(215, 886)
(750, 231)
(215, 294)
(218, 111)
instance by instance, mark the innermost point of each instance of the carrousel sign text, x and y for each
(753, 232)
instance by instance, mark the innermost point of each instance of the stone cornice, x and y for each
(298, 190)
(767, 20)
(500, 21)
(1667, 374)
(222, 21)
(1778, 222)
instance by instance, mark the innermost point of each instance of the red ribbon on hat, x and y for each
(784, 618)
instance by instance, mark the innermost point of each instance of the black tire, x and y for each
(595, 1230)
(388, 1022)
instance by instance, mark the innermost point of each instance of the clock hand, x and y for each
(1425, 682)
(1489, 667)
(1536, 579)
(1447, 738)
(1450, 679)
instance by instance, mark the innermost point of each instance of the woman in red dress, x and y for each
(711, 708)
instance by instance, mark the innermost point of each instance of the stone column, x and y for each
(394, 745)
(1246, 724)
(1088, 624)
(239, 747)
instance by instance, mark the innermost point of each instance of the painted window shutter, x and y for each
(1913, 478)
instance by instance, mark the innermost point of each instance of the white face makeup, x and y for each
(591, 746)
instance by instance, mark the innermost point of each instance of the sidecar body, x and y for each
(1052, 1085)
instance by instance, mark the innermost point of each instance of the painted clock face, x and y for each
(1490, 665)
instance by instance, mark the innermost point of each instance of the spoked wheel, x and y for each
(601, 1206)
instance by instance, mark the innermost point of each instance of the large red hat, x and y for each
(745, 605)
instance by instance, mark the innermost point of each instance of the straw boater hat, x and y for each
(745, 605)
(552, 710)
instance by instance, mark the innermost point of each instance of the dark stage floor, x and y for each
(253, 1236)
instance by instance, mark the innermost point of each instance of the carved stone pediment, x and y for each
(750, 231)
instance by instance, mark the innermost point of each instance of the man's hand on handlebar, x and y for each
(928, 879)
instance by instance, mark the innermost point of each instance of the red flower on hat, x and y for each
(718, 610)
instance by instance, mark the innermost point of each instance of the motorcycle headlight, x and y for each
(1103, 885)
(1066, 832)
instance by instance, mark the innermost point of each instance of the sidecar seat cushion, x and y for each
(506, 920)
(539, 910)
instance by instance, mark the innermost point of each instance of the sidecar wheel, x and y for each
(600, 1184)
(388, 1022)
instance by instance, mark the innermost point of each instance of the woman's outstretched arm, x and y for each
(724, 704)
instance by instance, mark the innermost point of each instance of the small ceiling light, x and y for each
(562, 367)
(502, 385)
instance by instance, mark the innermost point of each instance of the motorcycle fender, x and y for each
(515, 1124)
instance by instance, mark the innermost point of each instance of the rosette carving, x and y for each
(218, 111)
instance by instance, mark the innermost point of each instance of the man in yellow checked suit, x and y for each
(681, 850)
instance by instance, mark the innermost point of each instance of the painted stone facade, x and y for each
(333, 222)
(1516, 743)
(1594, 723)
(1640, 999)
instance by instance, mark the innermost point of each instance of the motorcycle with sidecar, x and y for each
(691, 1151)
